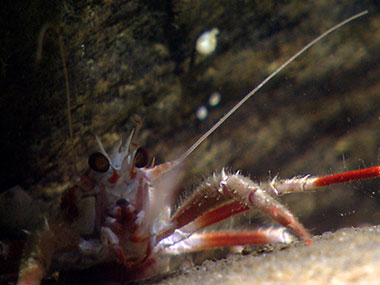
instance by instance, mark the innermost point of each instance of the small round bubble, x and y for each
(207, 41)
(202, 113)
(214, 99)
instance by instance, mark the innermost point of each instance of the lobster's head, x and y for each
(120, 172)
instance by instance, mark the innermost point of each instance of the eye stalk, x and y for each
(141, 158)
(98, 162)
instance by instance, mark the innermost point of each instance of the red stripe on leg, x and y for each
(219, 214)
(207, 241)
(209, 218)
(211, 240)
(274, 209)
(285, 218)
(348, 176)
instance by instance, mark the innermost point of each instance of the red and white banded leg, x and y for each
(207, 241)
(233, 194)
(308, 183)
(244, 190)
(220, 197)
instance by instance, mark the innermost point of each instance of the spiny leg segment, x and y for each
(234, 194)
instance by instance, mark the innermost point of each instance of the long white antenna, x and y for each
(265, 81)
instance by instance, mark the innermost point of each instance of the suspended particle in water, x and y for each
(207, 41)
(214, 99)
(201, 113)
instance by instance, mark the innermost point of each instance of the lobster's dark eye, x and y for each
(98, 162)
(141, 158)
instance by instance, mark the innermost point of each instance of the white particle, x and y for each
(207, 41)
(214, 99)
(202, 113)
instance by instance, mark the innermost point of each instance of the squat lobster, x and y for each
(120, 210)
